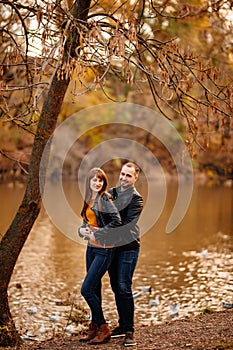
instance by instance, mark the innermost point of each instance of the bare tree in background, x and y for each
(14, 239)
(45, 44)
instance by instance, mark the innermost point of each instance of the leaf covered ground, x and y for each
(208, 331)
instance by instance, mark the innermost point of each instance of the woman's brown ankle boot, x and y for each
(103, 335)
(91, 333)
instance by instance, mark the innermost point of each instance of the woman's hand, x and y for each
(84, 231)
(89, 236)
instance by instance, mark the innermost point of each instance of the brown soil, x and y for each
(211, 331)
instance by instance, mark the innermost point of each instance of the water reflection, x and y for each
(192, 266)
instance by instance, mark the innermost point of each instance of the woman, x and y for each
(100, 216)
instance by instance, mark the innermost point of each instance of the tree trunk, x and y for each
(14, 239)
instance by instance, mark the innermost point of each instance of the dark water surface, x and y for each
(191, 266)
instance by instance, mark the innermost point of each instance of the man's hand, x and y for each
(92, 236)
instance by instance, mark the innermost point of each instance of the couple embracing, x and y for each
(110, 226)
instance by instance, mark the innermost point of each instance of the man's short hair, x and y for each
(133, 165)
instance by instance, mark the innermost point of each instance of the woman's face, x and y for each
(96, 184)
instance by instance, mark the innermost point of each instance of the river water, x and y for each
(191, 266)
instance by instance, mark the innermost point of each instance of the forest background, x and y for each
(198, 102)
(58, 57)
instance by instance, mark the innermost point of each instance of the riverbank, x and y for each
(207, 331)
(211, 167)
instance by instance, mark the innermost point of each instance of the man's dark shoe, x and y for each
(117, 332)
(129, 340)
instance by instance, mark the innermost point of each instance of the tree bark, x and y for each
(15, 237)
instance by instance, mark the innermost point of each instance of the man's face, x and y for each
(127, 177)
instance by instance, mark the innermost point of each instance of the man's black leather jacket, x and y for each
(130, 204)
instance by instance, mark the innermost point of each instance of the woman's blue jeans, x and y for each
(98, 261)
(121, 273)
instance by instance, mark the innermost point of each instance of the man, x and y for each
(127, 239)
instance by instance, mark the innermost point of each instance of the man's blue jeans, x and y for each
(98, 261)
(121, 273)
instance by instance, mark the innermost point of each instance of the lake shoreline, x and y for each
(11, 178)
